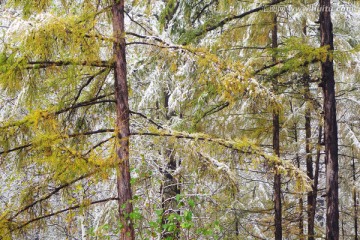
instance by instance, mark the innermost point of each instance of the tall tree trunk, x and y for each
(355, 204)
(122, 122)
(276, 145)
(170, 187)
(309, 163)
(301, 202)
(330, 124)
(312, 205)
(311, 195)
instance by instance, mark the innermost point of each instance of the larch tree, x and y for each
(215, 87)
(59, 60)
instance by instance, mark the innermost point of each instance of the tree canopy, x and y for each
(174, 119)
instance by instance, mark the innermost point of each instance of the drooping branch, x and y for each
(98, 145)
(209, 27)
(47, 196)
(153, 38)
(147, 118)
(90, 79)
(198, 15)
(136, 22)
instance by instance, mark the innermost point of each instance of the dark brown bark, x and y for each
(276, 145)
(311, 199)
(355, 203)
(122, 122)
(330, 124)
(301, 219)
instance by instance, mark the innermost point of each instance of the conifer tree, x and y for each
(217, 86)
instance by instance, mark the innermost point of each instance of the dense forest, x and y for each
(179, 119)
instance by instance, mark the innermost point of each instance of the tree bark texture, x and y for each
(330, 124)
(122, 122)
(170, 188)
(355, 203)
(276, 146)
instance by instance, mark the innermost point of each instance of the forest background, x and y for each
(177, 119)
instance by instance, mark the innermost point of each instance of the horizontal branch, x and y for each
(45, 64)
(183, 136)
(168, 46)
(154, 38)
(65, 136)
(61, 211)
(282, 71)
(147, 118)
(83, 104)
(16, 149)
(146, 37)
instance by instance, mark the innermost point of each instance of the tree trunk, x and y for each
(298, 162)
(330, 125)
(170, 187)
(122, 122)
(355, 199)
(276, 146)
(301, 202)
(311, 196)
(309, 163)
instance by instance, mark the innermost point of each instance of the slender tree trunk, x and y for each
(309, 163)
(170, 187)
(277, 180)
(276, 145)
(342, 227)
(122, 122)
(311, 196)
(315, 187)
(355, 199)
(301, 202)
(330, 125)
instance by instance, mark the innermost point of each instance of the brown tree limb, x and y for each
(207, 28)
(45, 64)
(87, 83)
(61, 211)
(47, 196)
